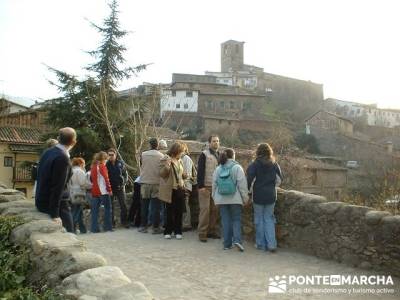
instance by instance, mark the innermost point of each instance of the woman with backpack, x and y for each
(263, 173)
(229, 191)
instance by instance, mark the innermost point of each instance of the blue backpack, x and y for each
(225, 183)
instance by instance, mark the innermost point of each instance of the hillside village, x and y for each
(327, 147)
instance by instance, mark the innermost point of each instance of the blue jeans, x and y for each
(95, 205)
(264, 220)
(77, 217)
(231, 223)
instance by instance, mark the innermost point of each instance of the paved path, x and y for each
(188, 269)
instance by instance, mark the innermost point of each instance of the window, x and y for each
(209, 104)
(236, 49)
(173, 93)
(8, 161)
(189, 94)
(178, 105)
(186, 106)
(222, 104)
(231, 105)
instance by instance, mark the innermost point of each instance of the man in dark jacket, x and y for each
(53, 173)
(118, 178)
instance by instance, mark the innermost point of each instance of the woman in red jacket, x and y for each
(101, 192)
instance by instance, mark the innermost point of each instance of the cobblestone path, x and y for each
(187, 269)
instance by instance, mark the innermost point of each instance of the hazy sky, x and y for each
(352, 47)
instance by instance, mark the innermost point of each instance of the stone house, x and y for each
(8, 107)
(329, 121)
(19, 148)
(284, 92)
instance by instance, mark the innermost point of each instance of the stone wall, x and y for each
(355, 235)
(62, 261)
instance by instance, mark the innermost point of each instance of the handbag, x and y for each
(180, 191)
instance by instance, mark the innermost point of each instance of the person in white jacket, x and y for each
(77, 190)
(230, 193)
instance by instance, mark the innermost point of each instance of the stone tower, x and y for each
(231, 56)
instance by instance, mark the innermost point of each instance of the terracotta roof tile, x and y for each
(19, 135)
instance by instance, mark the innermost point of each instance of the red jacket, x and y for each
(94, 176)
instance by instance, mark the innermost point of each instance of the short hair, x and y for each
(78, 161)
(50, 143)
(225, 155)
(153, 143)
(212, 136)
(112, 150)
(175, 149)
(264, 150)
(66, 136)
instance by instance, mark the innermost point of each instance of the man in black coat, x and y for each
(118, 178)
(52, 196)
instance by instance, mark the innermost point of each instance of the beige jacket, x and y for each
(168, 180)
(150, 167)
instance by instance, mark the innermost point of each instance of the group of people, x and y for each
(163, 192)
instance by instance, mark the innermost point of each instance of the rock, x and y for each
(86, 297)
(133, 291)
(34, 215)
(2, 185)
(18, 203)
(22, 233)
(93, 282)
(5, 191)
(68, 262)
(350, 259)
(15, 211)
(331, 207)
(42, 242)
(374, 217)
(365, 265)
(11, 197)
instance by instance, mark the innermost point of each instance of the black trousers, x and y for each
(134, 210)
(66, 216)
(120, 195)
(174, 214)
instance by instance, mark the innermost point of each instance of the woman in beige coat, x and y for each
(172, 189)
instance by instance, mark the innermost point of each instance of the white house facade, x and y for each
(179, 101)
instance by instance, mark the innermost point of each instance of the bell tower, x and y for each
(232, 56)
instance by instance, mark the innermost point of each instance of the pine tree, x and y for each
(110, 52)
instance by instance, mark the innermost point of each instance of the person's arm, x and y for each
(241, 184)
(104, 172)
(58, 180)
(201, 170)
(279, 171)
(165, 167)
(251, 174)
(214, 182)
(124, 174)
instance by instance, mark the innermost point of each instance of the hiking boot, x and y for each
(239, 246)
(157, 231)
(143, 229)
(213, 236)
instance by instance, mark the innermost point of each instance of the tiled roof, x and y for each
(19, 135)
(24, 148)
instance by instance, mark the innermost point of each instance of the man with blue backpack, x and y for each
(230, 193)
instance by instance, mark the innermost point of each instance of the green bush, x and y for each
(15, 265)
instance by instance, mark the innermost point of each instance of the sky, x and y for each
(352, 47)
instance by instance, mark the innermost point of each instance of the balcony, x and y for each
(22, 174)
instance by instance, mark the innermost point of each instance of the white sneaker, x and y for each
(179, 236)
(167, 236)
